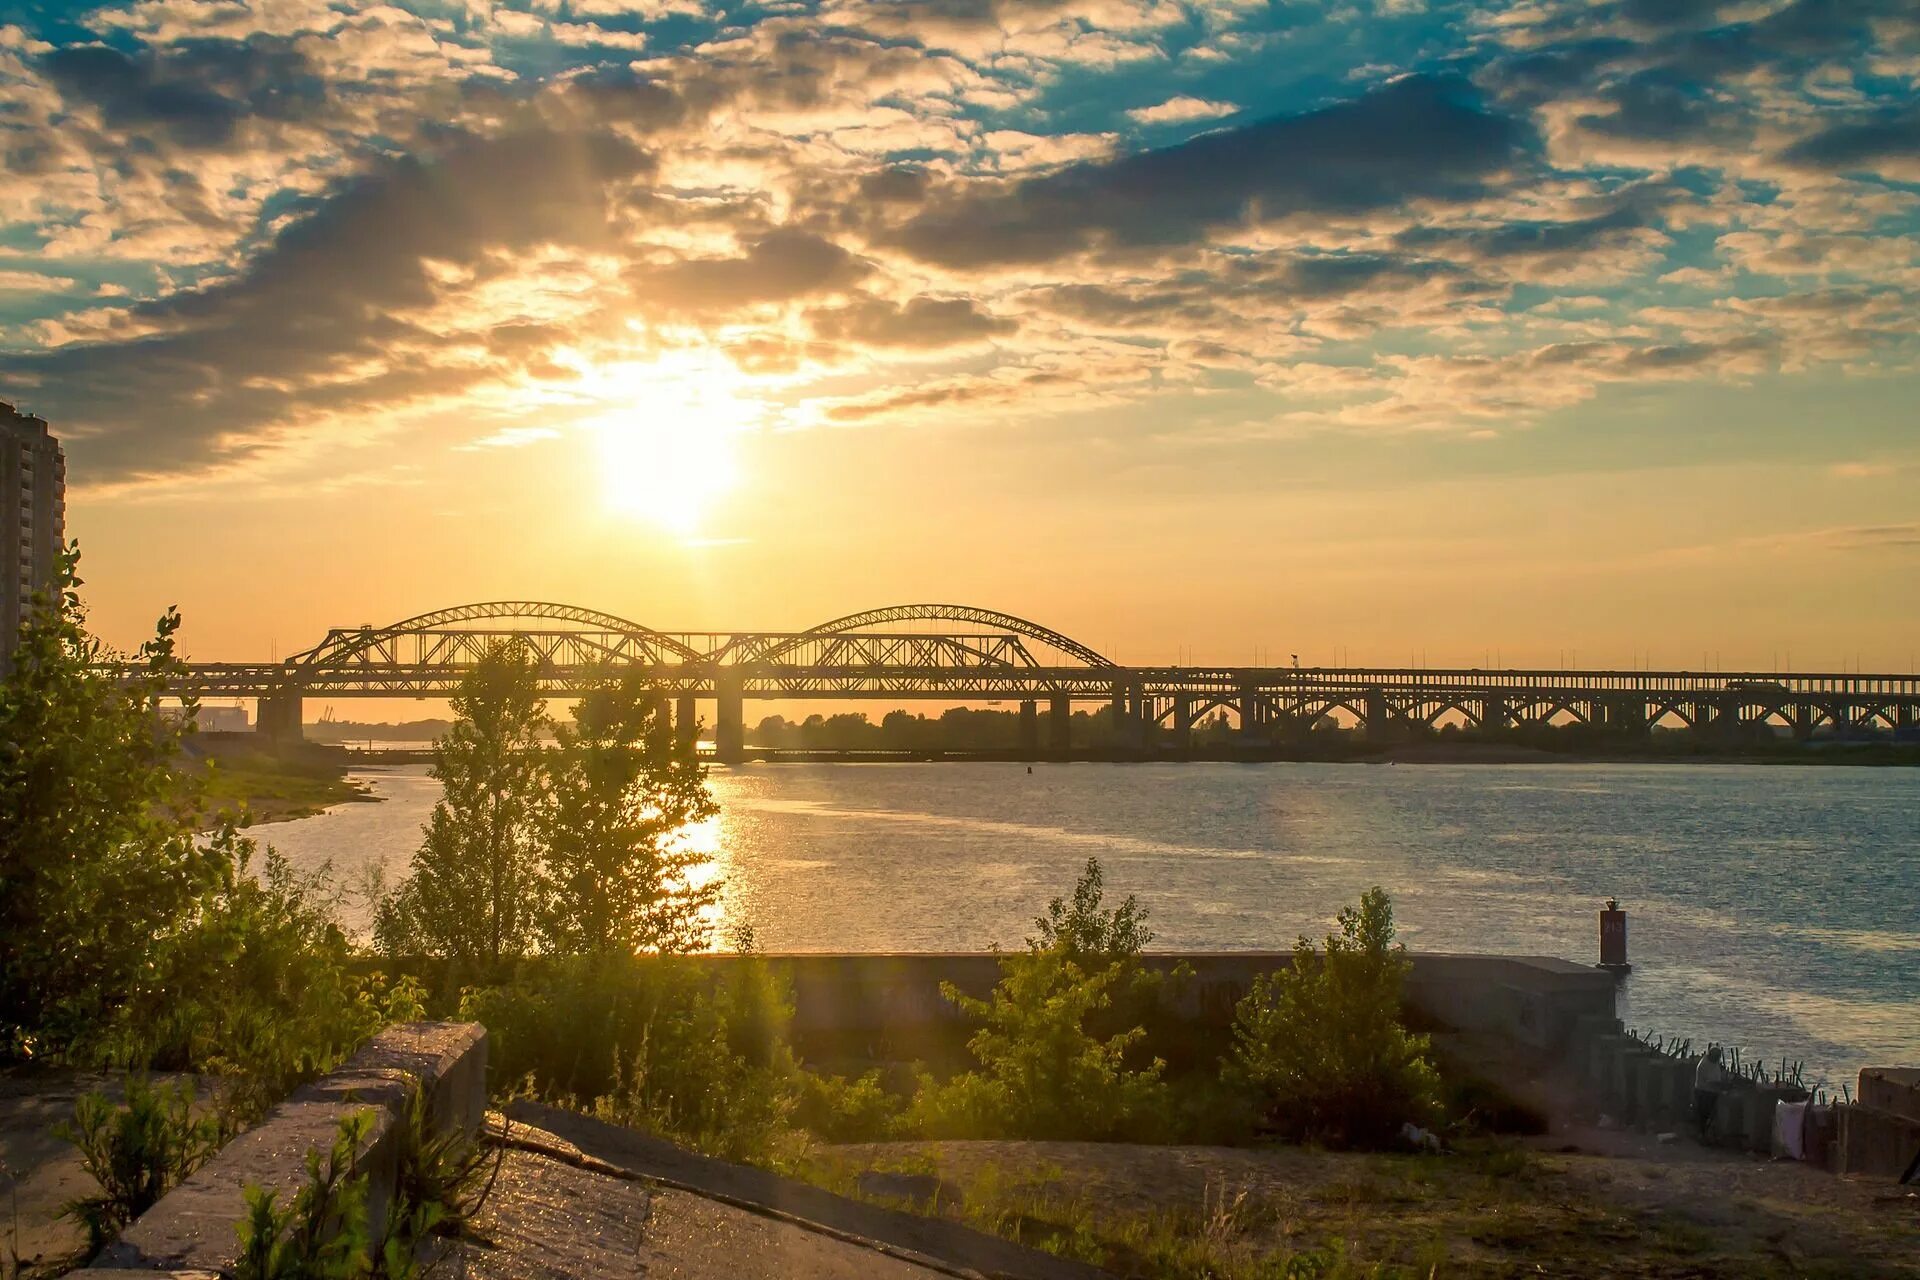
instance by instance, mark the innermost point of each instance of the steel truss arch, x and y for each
(345, 644)
(962, 613)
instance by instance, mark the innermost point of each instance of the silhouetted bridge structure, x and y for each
(957, 653)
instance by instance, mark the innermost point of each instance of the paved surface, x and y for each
(706, 1217)
(547, 1220)
(40, 1173)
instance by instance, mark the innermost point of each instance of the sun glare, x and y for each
(671, 452)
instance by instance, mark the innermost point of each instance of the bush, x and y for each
(136, 1153)
(259, 989)
(655, 1042)
(1043, 1076)
(127, 937)
(1320, 1046)
(1053, 1062)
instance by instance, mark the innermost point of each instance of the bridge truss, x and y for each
(957, 653)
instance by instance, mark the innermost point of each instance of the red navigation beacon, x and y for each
(1613, 938)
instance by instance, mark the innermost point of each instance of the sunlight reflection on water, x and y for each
(1775, 908)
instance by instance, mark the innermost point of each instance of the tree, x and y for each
(99, 867)
(1057, 1033)
(618, 877)
(1320, 1045)
(469, 893)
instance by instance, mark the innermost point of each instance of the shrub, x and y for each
(653, 1042)
(259, 989)
(1320, 1046)
(841, 1110)
(1057, 1034)
(136, 1153)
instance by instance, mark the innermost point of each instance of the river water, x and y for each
(1773, 908)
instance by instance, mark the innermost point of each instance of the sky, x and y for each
(1373, 331)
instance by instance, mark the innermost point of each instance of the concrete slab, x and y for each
(943, 1247)
(547, 1220)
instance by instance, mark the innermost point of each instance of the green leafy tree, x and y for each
(470, 892)
(1057, 1033)
(1320, 1045)
(99, 867)
(1088, 934)
(618, 877)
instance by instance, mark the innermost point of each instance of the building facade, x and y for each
(33, 509)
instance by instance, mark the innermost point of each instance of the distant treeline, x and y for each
(956, 729)
(355, 731)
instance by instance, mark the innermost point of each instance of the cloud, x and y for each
(1886, 142)
(319, 321)
(784, 264)
(195, 93)
(1181, 110)
(1421, 137)
(922, 322)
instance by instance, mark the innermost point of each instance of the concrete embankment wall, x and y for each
(891, 1006)
(192, 1231)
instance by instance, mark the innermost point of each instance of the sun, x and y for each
(671, 451)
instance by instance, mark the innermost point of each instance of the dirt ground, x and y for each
(40, 1173)
(1616, 1205)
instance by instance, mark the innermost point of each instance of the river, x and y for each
(1773, 908)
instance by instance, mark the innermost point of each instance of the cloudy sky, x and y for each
(1376, 329)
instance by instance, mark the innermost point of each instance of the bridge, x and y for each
(958, 653)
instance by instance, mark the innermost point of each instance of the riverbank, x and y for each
(253, 783)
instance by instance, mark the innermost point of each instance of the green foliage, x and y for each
(836, 1109)
(574, 848)
(97, 866)
(285, 1007)
(471, 889)
(322, 1233)
(656, 1042)
(1087, 935)
(136, 1152)
(441, 1179)
(1043, 1075)
(1320, 1045)
(615, 879)
(1051, 1065)
(125, 936)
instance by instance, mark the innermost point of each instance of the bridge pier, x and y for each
(278, 716)
(1183, 720)
(1379, 726)
(729, 721)
(686, 717)
(1060, 725)
(1252, 722)
(1029, 727)
(1494, 714)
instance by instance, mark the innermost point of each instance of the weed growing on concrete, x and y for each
(136, 1153)
(322, 1233)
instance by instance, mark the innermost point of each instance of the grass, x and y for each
(265, 791)
(1493, 1209)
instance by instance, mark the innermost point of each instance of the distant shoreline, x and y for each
(1865, 755)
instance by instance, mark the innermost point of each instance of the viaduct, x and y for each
(958, 653)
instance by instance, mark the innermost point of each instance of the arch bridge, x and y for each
(958, 653)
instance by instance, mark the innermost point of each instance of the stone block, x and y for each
(194, 1227)
(1895, 1089)
(1874, 1142)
